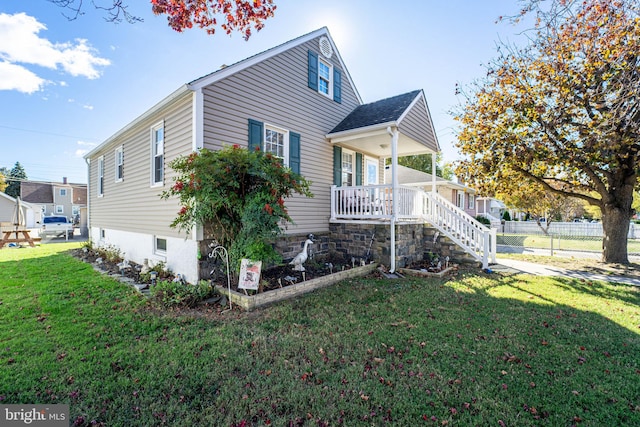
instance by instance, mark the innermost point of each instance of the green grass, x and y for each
(562, 243)
(476, 350)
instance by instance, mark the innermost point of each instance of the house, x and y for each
(460, 195)
(30, 213)
(300, 99)
(58, 198)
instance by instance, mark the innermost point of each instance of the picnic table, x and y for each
(16, 231)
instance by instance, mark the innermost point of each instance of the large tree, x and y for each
(422, 162)
(14, 178)
(563, 112)
(230, 15)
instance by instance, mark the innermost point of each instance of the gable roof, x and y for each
(36, 192)
(199, 83)
(248, 62)
(380, 112)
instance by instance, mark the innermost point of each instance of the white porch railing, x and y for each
(374, 202)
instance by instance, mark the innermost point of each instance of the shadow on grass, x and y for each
(475, 350)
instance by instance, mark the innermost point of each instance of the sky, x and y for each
(67, 85)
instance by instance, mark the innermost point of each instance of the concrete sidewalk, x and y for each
(516, 266)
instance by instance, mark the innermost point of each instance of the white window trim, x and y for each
(59, 209)
(285, 143)
(330, 82)
(472, 201)
(353, 167)
(155, 245)
(75, 210)
(100, 191)
(65, 192)
(119, 150)
(154, 128)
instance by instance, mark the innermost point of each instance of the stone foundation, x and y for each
(413, 242)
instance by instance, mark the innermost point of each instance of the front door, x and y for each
(371, 167)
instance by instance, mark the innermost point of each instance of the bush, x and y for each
(170, 294)
(237, 196)
(483, 220)
(506, 216)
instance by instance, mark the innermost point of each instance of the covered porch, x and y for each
(389, 129)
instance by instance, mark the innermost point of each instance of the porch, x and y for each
(375, 204)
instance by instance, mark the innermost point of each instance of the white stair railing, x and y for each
(468, 233)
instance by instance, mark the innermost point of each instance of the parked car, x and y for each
(56, 226)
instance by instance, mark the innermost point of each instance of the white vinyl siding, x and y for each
(267, 90)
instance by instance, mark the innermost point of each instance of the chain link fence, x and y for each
(515, 236)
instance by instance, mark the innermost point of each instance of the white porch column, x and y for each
(433, 174)
(394, 194)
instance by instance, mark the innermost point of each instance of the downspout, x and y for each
(394, 191)
(88, 162)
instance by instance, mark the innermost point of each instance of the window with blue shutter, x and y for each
(294, 151)
(256, 131)
(358, 168)
(337, 165)
(323, 77)
(337, 85)
(277, 141)
(313, 70)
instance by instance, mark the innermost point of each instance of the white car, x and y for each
(56, 226)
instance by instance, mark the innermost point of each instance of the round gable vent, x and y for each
(325, 47)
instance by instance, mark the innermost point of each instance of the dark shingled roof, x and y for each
(36, 192)
(383, 111)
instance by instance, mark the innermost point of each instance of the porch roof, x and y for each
(365, 128)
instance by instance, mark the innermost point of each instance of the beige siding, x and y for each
(417, 125)
(275, 92)
(133, 204)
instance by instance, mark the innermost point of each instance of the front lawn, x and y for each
(477, 350)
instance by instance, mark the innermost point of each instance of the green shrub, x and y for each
(506, 216)
(170, 294)
(237, 196)
(483, 220)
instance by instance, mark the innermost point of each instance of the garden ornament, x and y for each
(301, 258)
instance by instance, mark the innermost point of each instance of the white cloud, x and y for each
(17, 77)
(88, 107)
(21, 44)
(85, 148)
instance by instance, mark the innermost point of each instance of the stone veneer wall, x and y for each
(413, 240)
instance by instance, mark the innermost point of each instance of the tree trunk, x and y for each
(615, 227)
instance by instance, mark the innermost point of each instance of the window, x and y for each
(160, 245)
(75, 210)
(276, 142)
(347, 167)
(102, 233)
(157, 154)
(63, 192)
(472, 201)
(119, 164)
(59, 209)
(460, 203)
(100, 176)
(324, 78)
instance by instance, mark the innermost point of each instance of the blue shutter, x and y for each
(313, 70)
(255, 134)
(337, 165)
(337, 86)
(294, 151)
(358, 168)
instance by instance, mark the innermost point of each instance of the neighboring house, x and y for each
(31, 213)
(458, 194)
(492, 209)
(297, 101)
(57, 198)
